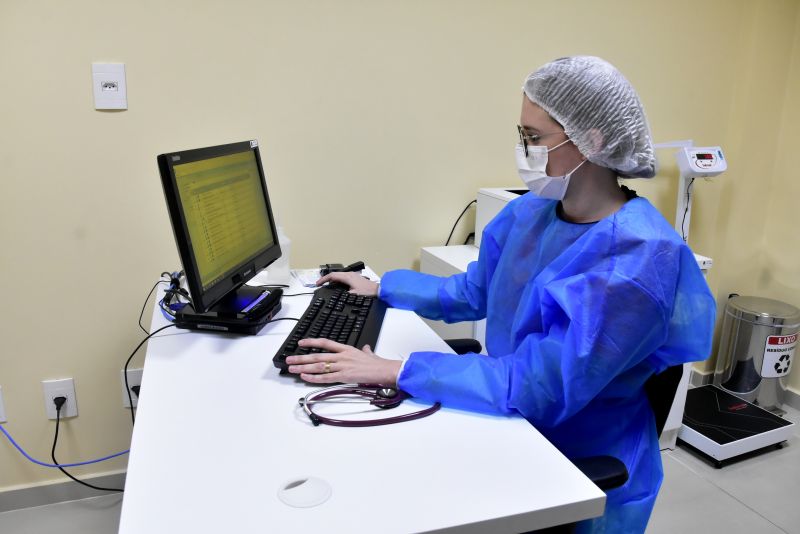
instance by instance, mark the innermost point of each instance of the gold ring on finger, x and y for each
(327, 368)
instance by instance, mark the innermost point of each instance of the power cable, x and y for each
(59, 402)
(456, 223)
(685, 211)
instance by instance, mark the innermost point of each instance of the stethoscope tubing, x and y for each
(361, 390)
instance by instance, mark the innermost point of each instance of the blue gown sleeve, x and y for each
(691, 325)
(461, 297)
(597, 326)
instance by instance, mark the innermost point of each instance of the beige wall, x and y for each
(401, 109)
(778, 275)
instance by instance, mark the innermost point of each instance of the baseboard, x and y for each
(792, 399)
(61, 491)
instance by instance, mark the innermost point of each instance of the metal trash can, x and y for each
(756, 350)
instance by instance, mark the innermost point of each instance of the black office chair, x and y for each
(608, 472)
(463, 346)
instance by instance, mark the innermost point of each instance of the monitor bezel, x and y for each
(204, 300)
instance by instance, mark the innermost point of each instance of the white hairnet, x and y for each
(599, 110)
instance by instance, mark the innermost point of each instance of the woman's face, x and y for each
(536, 122)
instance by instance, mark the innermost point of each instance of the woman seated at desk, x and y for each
(586, 289)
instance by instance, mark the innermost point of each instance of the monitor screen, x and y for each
(221, 217)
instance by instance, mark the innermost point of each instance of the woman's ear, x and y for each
(595, 138)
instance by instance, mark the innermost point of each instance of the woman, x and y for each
(586, 289)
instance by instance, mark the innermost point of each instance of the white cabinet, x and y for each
(491, 200)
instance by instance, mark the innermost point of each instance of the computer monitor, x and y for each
(222, 220)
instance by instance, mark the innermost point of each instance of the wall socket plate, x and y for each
(134, 379)
(2, 407)
(57, 388)
(108, 86)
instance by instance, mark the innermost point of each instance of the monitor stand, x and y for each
(723, 426)
(243, 311)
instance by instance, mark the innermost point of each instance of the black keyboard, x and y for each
(337, 315)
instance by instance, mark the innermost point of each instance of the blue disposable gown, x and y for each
(579, 316)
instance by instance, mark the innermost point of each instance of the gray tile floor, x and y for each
(755, 495)
(758, 494)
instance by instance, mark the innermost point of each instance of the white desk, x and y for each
(219, 431)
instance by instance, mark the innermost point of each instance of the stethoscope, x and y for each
(380, 396)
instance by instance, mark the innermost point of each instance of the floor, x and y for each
(757, 494)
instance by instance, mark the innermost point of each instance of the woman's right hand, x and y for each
(358, 284)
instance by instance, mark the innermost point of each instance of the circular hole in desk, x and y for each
(304, 492)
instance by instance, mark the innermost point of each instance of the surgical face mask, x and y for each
(532, 171)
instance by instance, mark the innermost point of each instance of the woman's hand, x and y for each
(358, 284)
(342, 363)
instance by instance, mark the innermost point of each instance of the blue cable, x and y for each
(43, 464)
(164, 312)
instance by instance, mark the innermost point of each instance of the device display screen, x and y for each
(223, 205)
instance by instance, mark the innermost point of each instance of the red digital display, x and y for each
(704, 155)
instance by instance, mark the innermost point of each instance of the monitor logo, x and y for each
(248, 271)
(176, 158)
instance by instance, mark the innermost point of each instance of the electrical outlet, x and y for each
(134, 379)
(64, 387)
(108, 85)
(2, 407)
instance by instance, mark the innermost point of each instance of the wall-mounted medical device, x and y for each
(694, 162)
(701, 162)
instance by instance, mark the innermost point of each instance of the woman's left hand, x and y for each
(342, 363)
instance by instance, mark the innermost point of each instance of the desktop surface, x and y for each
(219, 432)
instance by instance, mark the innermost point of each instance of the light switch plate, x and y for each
(108, 84)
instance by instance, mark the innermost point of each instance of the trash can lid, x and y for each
(761, 310)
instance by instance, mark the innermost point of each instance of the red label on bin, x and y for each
(781, 340)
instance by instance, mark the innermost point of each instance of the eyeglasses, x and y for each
(524, 138)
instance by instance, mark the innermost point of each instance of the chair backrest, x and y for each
(609, 472)
(661, 390)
